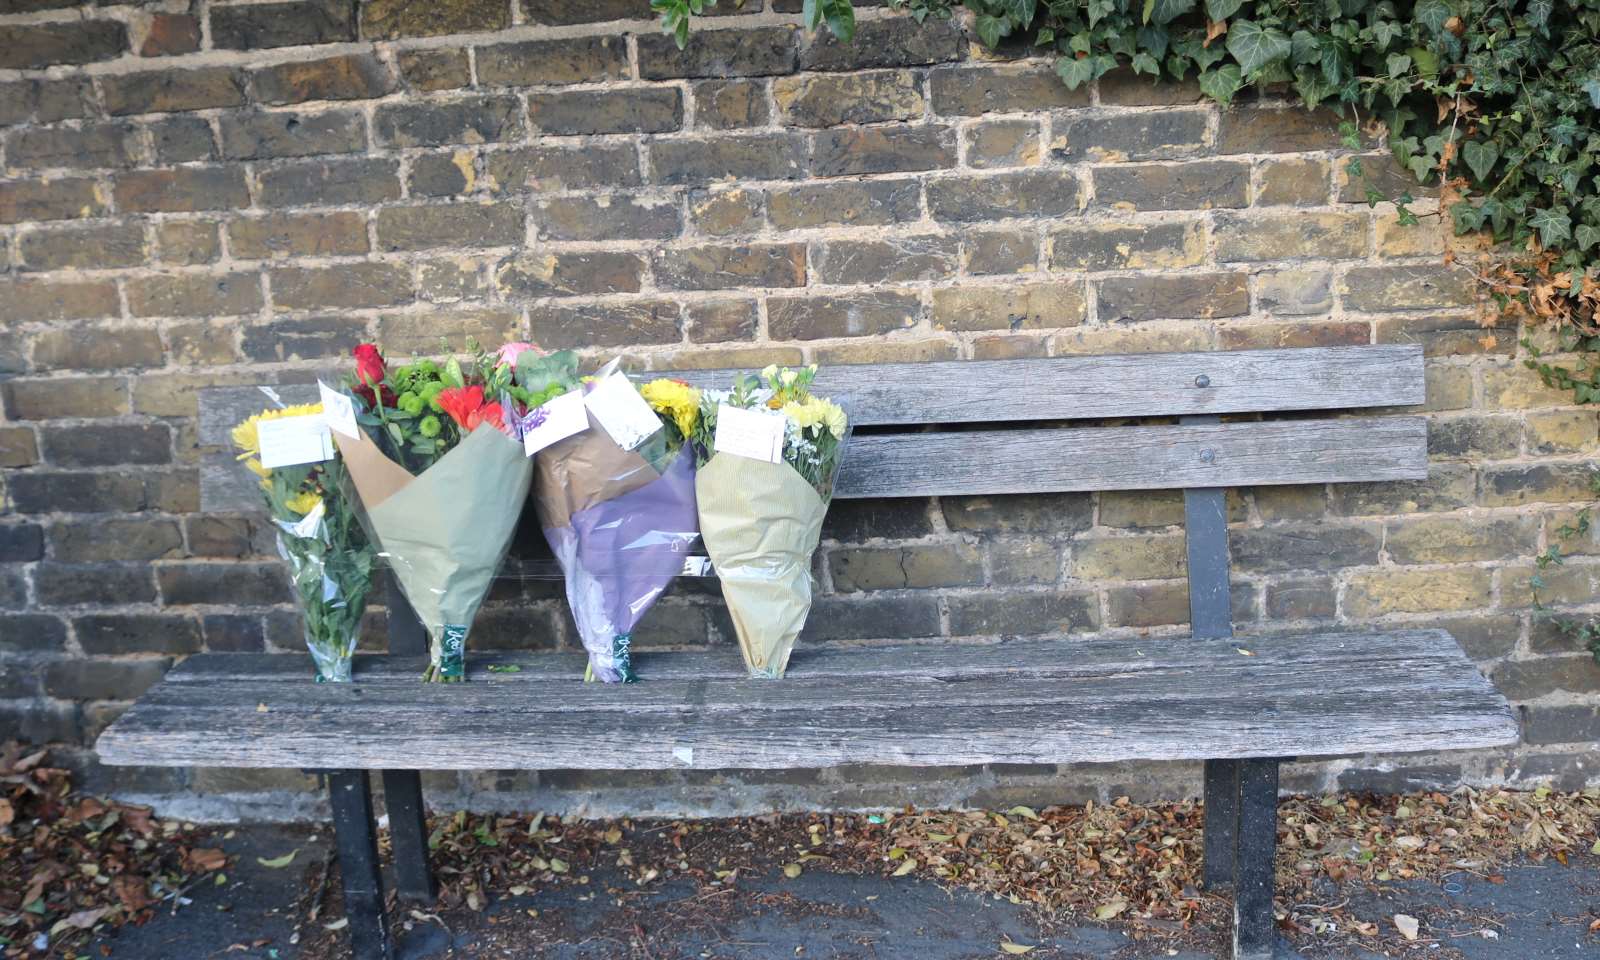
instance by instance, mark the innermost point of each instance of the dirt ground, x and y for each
(1526, 912)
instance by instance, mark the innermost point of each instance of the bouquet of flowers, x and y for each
(438, 462)
(330, 557)
(615, 496)
(761, 513)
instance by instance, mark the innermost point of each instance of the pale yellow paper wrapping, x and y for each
(761, 523)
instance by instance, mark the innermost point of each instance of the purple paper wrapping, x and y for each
(619, 555)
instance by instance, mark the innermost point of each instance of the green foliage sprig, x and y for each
(1580, 630)
(1496, 101)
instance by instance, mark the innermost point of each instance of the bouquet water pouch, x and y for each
(615, 495)
(771, 454)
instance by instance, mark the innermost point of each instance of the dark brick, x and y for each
(94, 491)
(563, 168)
(1537, 483)
(390, 19)
(1325, 236)
(894, 260)
(338, 233)
(233, 633)
(1406, 779)
(723, 212)
(1277, 549)
(608, 218)
(1197, 296)
(107, 634)
(444, 279)
(766, 156)
(538, 274)
(1491, 438)
(1148, 604)
(434, 69)
(1379, 289)
(303, 339)
(31, 633)
(845, 203)
(851, 521)
(330, 182)
(1292, 130)
(1462, 335)
(260, 135)
(913, 566)
(1002, 143)
(1293, 182)
(1124, 88)
(1448, 487)
(41, 722)
(356, 76)
(39, 301)
(113, 538)
(754, 52)
(441, 174)
(79, 349)
(648, 110)
(550, 62)
(890, 42)
(71, 98)
(194, 295)
(182, 140)
(234, 584)
(721, 268)
(61, 397)
(1033, 513)
(559, 327)
(826, 100)
(1380, 172)
(211, 536)
(568, 12)
(181, 190)
(870, 150)
(21, 542)
(1182, 186)
(1118, 247)
(1159, 135)
(65, 199)
(1026, 193)
(346, 285)
(420, 333)
(848, 315)
(1001, 252)
(18, 447)
(715, 321)
(465, 224)
(1022, 614)
(472, 120)
(87, 248)
(1302, 599)
(1531, 679)
(32, 46)
(171, 91)
(170, 34)
(1008, 88)
(91, 146)
(262, 25)
(103, 679)
(871, 618)
(1570, 724)
(188, 241)
(728, 104)
(107, 445)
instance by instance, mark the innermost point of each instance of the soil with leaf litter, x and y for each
(82, 877)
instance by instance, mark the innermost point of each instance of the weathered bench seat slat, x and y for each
(1177, 700)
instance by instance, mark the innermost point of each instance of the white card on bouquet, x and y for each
(563, 417)
(756, 434)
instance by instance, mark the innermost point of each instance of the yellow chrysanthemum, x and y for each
(676, 399)
(806, 413)
(834, 419)
(303, 502)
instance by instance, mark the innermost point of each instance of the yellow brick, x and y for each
(1372, 593)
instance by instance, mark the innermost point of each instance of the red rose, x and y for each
(370, 372)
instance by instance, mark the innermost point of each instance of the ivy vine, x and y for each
(1497, 102)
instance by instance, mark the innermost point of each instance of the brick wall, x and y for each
(211, 193)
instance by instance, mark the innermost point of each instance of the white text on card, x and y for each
(339, 410)
(287, 441)
(756, 434)
(625, 415)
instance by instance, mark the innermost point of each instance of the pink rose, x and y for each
(510, 352)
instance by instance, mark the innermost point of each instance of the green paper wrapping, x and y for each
(445, 531)
(761, 523)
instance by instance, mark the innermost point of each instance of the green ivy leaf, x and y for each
(1222, 9)
(1254, 46)
(1591, 86)
(841, 17)
(991, 29)
(1481, 156)
(1074, 72)
(1538, 13)
(1222, 83)
(1433, 13)
(1553, 225)
(1586, 236)
(1166, 11)
(1144, 63)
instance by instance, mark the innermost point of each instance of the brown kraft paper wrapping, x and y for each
(446, 531)
(761, 523)
(582, 470)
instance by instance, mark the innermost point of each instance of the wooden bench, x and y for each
(1036, 701)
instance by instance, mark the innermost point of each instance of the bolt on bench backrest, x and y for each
(1006, 428)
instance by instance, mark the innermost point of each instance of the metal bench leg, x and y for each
(1221, 823)
(356, 834)
(1254, 929)
(408, 832)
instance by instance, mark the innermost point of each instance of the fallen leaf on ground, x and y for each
(1015, 948)
(1407, 925)
(278, 863)
(792, 870)
(1108, 910)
